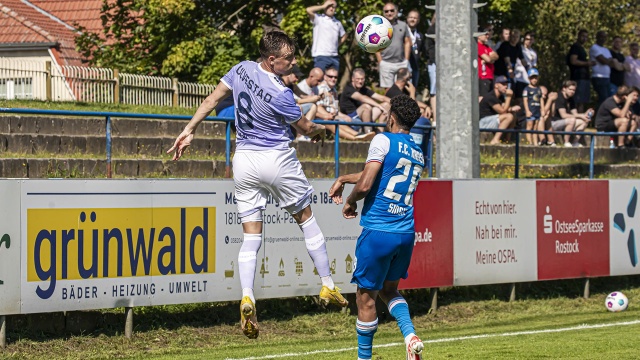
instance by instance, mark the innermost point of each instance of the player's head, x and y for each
(404, 112)
(278, 52)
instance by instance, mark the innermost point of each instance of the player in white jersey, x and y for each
(264, 163)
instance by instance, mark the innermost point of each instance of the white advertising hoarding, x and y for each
(111, 243)
(494, 231)
(624, 230)
(9, 247)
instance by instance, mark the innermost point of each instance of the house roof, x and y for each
(49, 21)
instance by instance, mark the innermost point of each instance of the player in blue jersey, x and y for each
(384, 248)
(264, 163)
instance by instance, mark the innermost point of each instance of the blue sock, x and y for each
(365, 331)
(399, 309)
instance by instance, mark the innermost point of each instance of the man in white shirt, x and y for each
(328, 35)
(309, 86)
(601, 72)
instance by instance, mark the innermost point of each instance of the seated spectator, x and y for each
(306, 102)
(544, 124)
(495, 109)
(309, 86)
(614, 115)
(403, 85)
(566, 117)
(360, 103)
(226, 108)
(328, 108)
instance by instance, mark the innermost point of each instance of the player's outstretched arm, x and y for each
(184, 139)
(362, 188)
(335, 192)
(308, 128)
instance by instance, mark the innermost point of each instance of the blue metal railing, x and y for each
(428, 149)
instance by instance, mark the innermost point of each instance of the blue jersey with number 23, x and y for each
(389, 205)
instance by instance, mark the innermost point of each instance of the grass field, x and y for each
(551, 321)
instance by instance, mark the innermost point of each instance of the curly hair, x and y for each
(406, 109)
(276, 43)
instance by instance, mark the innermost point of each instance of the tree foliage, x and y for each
(199, 40)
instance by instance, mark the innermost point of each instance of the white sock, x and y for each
(408, 338)
(248, 292)
(328, 282)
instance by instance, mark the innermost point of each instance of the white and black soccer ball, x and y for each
(616, 301)
(374, 33)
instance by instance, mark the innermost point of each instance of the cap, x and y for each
(501, 79)
(533, 72)
(482, 30)
(296, 71)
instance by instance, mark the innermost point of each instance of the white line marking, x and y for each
(460, 338)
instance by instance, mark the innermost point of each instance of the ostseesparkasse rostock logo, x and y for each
(620, 223)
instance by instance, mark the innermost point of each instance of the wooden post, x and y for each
(433, 299)
(512, 293)
(174, 101)
(3, 331)
(586, 294)
(116, 88)
(47, 68)
(128, 325)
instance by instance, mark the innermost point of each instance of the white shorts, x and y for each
(257, 174)
(389, 70)
(490, 122)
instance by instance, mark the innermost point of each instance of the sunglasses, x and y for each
(390, 11)
(332, 76)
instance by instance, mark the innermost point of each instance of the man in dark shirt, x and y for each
(495, 109)
(402, 85)
(361, 103)
(615, 114)
(579, 70)
(619, 67)
(509, 52)
(430, 54)
(566, 116)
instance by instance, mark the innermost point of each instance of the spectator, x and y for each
(309, 86)
(579, 68)
(395, 56)
(601, 73)
(531, 57)
(226, 108)
(618, 67)
(632, 77)
(402, 85)
(305, 102)
(544, 124)
(490, 43)
(430, 52)
(486, 58)
(614, 115)
(360, 103)
(566, 117)
(505, 35)
(495, 109)
(533, 104)
(509, 52)
(328, 108)
(413, 19)
(328, 35)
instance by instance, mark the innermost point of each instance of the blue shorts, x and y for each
(533, 118)
(381, 256)
(356, 119)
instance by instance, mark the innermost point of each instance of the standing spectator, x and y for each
(579, 68)
(618, 67)
(615, 115)
(309, 86)
(496, 111)
(328, 35)
(632, 77)
(430, 52)
(396, 55)
(413, 19)
(360, 103)
(490, 43)
(531, 57)
(486, 59)
(566, 116)
(601, 73)
(533, 104)
(505, 35)
(509, 52)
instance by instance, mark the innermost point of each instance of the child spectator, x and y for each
(533, 102)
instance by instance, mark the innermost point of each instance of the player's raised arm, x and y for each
(184, 139)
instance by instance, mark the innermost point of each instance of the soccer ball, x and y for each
(374, 33)
(616, 301)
